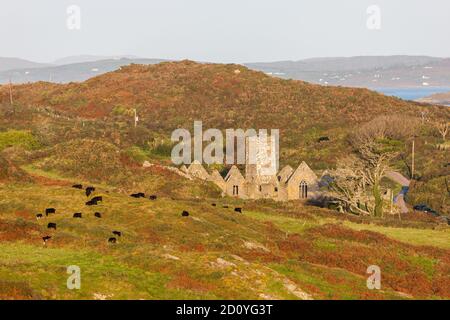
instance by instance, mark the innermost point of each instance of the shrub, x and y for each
(137, 154)
(24, 139)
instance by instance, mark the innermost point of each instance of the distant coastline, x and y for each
(415, 93)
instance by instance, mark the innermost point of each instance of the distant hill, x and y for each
(370, 72)
(90, 58)
(16, 63)
(69, 72)
(373, 72)
(438, 98)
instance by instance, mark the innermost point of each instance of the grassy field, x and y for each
(214, 253)
(420, 237)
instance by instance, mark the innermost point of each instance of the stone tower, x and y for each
(261, 158)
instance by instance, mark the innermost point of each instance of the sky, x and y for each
(223, 31)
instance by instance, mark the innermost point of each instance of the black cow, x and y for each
(78, 186)
(49, 211)
(77, 215)
(89, 191)
(97, 199)
(225, 207)
(112, 240)
(138, 195)
(39, 216)
(51, 225)
(98, 215)
(324, 139)
(153, 197)
(238, 210)
(214, 205)
(185, 214)
(45, 239)
(117, 233)
(91, 203)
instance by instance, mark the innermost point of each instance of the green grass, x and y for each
(165, 256)
(20, 138)
(134, 268)
(436, 238)
(423, 237)
(287, 224)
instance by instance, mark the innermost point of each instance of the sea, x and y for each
(412, 93)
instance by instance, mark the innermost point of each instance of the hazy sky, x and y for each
(225, 30)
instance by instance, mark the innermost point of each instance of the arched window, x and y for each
(235, 190)
(303, 190)
(279, 178)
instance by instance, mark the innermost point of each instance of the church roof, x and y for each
(215, 176)
(184, 168)
(304, 170)
(285, 173)
(234, 172)
(197, 170)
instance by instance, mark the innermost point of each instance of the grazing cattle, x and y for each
(77, 215)
(89, 191)
(92, 203)
(117, 233)
(45, 239)
(225, 207)
(153, 197)
(185, 214)
(138, 195)
(324, 139)
(112, 240)
(77, 186)
(49, 211)
(39, 216)
(238, 210)
(97, 199)
(214, 205)
(51, 225)
(98, 215)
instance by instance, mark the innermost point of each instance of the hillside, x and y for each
(58, 135)
(377, 72)
(174, 94)
(272, 251)
(10, 172)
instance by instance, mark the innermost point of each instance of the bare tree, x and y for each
(348, 187)
(385, 127)
(376, 159)
(357, 181)
(442, 128)
(424, 116)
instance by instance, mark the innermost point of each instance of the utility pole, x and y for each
(136, 118)
(413, 157)
(392, 198)
(10, 92)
